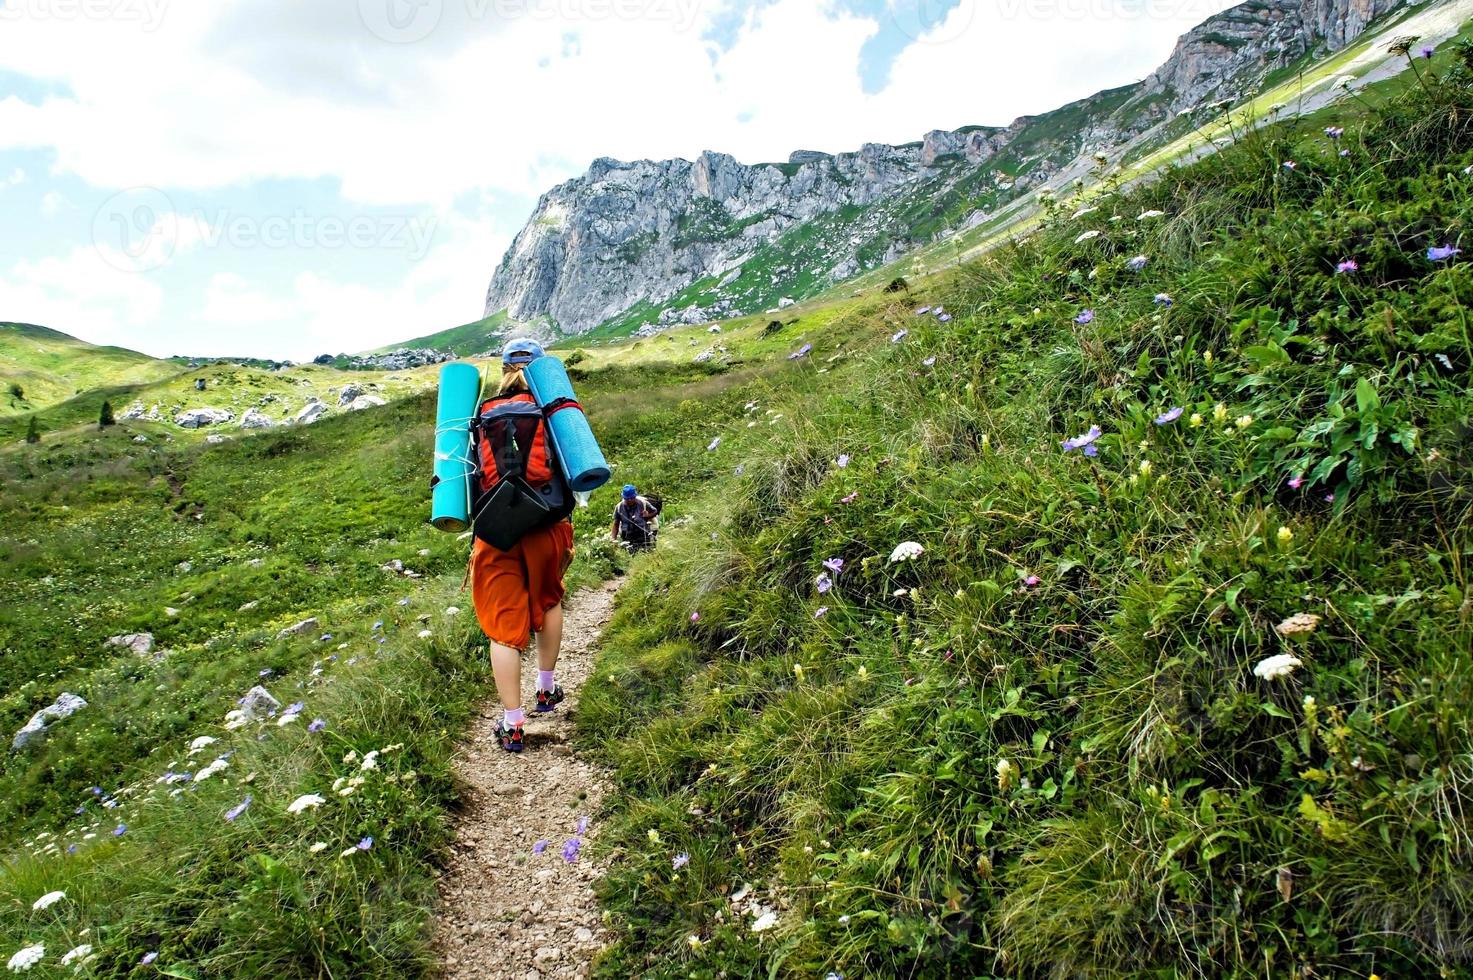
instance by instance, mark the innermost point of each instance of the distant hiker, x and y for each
(524, 540)
(636, 520)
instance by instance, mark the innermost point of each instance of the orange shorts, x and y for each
(512, 590)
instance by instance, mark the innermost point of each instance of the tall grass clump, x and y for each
(1113, 621)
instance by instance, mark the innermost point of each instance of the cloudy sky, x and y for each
(284, 178)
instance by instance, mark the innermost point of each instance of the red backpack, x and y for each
(516, 486)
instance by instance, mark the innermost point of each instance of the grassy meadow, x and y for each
(1111, 617)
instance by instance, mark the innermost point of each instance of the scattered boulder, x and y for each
(305, 626)
(199, 418)
(140, 439)
(312, 411)
(256, 419)
(140, 643)
(365, 401)
(786, 302)
(258, 704)
(214, 439)
(349, 392)
(199, 384)
(133, 411)
(63, 707)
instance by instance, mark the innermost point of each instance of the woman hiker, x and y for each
(518, 590)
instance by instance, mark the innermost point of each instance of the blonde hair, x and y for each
(513, 380)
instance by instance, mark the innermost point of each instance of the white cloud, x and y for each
(16, 178)
(86, 289)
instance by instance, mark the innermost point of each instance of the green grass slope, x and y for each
(1054, 742)
(50, 367)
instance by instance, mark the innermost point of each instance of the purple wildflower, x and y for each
(571, 849)
(540, 847)
(378, 624)
(1163, 299)
(823, 582)
(317, 725)
(364, 844)
(120, 830)
(1428, 51)
(803, 351)
(1441, 253)
(1084, 441)
(1169, 416)
(1086, 316)
(295, 708)
(236, 811)
(71, 848)
(835, 565)
(898, 336)
(1091, 450)
(324, 638)
(1334, 132)
(1295, 482)
(849, 499)
(1138, 263)
(582, 825)
(695, 617)
(930, 361)
(95, 790)
(680, 860)
(1329, 498)
(820, 612)
(1031, 580)
(943, 318)
(148, 958)
(842, 461)
(1349, 265)
(80, 810)
(1290, 165)
(923, 311)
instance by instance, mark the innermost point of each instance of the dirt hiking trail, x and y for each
(504, 911)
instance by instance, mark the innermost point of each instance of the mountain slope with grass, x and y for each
(41, 367)
(1114, 622)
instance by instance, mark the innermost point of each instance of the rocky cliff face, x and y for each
(650, 243)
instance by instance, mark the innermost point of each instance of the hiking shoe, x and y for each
(510, 737)
(547, 700)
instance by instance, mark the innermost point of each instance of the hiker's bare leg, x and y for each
(506, 665)
(550, 640)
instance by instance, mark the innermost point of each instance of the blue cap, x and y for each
(629, 491)
(522, 351)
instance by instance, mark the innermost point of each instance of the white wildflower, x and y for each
(318, 847)
(906, 551)
(1278, 666)
(1297, 624)
(72, 955)
(219, 765)
(1086, 236)
(201, 743)
(48, 900)
(370, 761)
(1148, 215)
(305, 802)
(26, 958)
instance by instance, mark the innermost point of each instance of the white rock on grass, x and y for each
(305, 626)
(350, 392)
(258, 704)
(311, 412)
(63, 707)
(140, 643)
(256, 419)
(199, 418)
(365, 401)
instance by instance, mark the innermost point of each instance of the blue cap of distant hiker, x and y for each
(629, 492)
(521, 352)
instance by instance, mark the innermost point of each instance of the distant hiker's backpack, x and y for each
(516, 486)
